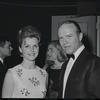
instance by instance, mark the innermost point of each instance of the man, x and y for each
(5, 51)
(80, 75)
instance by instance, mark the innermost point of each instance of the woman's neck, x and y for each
(57, 65)
(28, 64)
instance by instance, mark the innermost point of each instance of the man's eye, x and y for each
(60, 38)
(36, 46)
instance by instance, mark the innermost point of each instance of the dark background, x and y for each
(14, 15)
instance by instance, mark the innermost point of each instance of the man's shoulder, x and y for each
(92, 56)
(1, 63)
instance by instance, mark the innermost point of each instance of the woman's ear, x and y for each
(20, 50)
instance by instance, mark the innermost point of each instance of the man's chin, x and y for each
(69, 52)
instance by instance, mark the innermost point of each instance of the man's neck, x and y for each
(79, 50)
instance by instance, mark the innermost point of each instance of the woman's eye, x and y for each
(50, 50)
(26, 46)
(69, 36)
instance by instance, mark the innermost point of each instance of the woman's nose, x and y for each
(32, 49)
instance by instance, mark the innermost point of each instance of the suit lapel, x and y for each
(78, 61)
(3, 68)
(76, 68)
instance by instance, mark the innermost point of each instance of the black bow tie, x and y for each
(70, 56)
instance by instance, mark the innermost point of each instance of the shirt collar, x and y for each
(79, 51)
(1, 59)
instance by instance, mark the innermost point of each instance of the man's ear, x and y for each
(81, 36)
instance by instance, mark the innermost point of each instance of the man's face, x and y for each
(69, 39)
(6, 49)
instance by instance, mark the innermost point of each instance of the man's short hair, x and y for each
(3, 40)
(71, 22)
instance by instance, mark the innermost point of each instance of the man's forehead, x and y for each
(68, 26)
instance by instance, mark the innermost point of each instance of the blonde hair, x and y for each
(61, 57)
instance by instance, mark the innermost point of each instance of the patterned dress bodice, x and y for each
(29, 83)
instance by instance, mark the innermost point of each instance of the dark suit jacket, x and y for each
(84, 78)
(3, 70)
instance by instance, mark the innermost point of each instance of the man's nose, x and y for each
(65, 41)
(11, 48)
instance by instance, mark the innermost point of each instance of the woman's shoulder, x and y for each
(14, 68)
(41, 69)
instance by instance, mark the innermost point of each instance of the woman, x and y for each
(55, 57)
(26, 80)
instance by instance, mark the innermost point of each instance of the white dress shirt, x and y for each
(1, 59)
(69, 67)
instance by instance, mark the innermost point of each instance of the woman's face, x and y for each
(52, 53)
(29, 48)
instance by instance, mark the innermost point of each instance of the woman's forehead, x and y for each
(30, 40)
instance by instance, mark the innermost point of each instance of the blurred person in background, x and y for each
(5, 51)
(55, 57)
